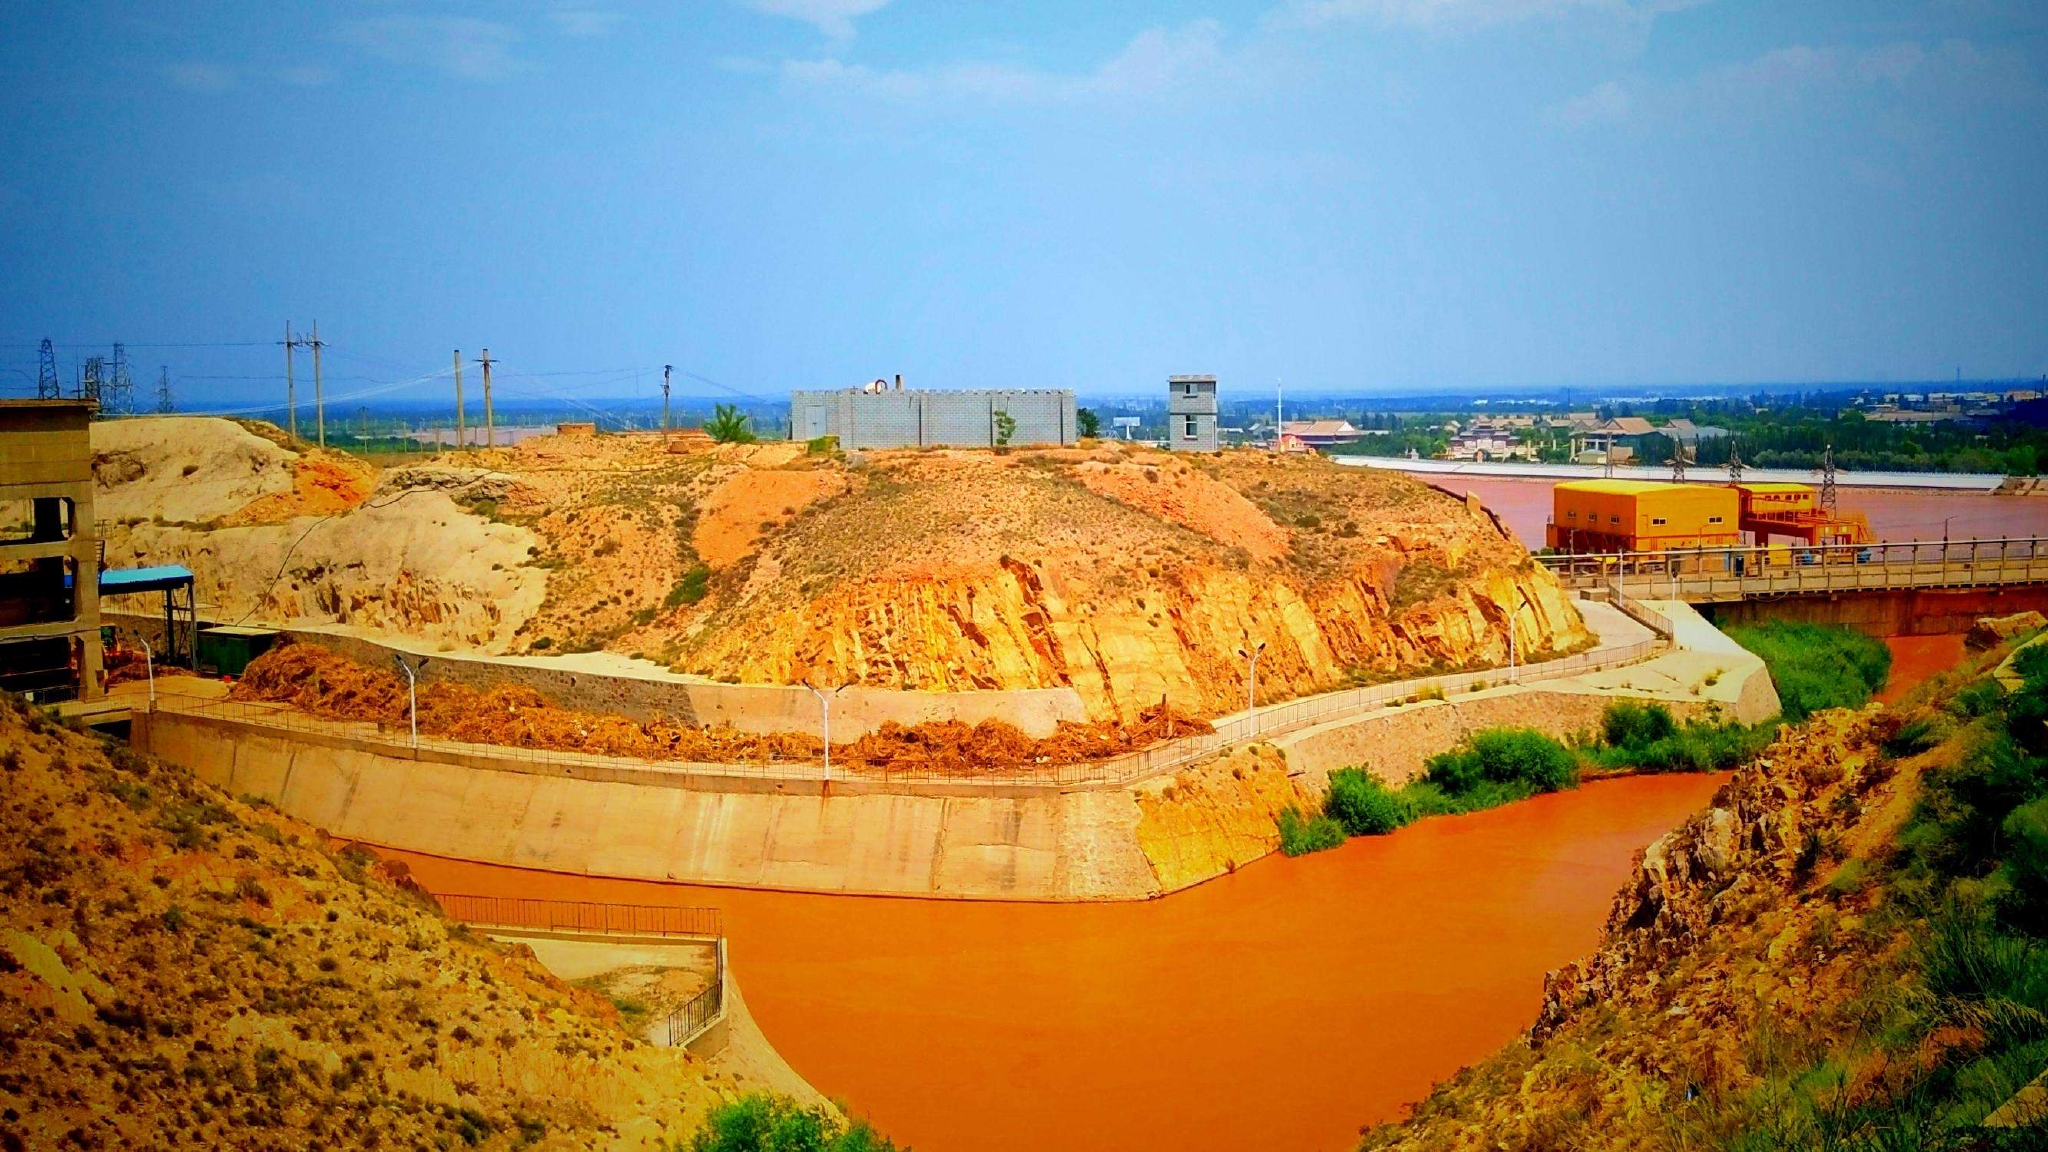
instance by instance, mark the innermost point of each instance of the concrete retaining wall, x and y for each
(644, 693)
(1045, 846)
(963, 419)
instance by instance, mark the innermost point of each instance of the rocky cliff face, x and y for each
(1746, 945)
(963, 573)
(181, 970)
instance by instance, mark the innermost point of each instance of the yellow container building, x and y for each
(1643, 516)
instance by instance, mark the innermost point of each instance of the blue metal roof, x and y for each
(161, 578)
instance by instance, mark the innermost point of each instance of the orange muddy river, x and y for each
(1917, 658)
(1277, 1008)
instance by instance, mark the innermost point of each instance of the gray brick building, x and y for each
(896, 418)
(1191, 414)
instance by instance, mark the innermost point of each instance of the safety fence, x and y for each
(588, 917)
(1264, 722)
(701, 1011)
(583, 916)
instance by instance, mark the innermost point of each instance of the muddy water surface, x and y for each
(1917, 658)
(1277, 1008)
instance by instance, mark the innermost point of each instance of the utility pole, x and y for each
(665, 370)
(461, 433)
(163, 388)
(1279, 412)
(47, 387)
(490, 426)
(319, 400)
(291, 395)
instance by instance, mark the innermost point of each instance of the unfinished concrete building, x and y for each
(879, 416)
(1191, 414)
(49, 551)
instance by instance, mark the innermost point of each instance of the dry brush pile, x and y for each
(318, 681)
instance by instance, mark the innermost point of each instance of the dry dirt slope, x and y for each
(178, 969)
(1127, 574)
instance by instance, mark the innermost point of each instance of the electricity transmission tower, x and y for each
(163, 388)
(665, 369)
(1677, 462)
(119, 389)
(1827, 480)
(91, 378)
(47, 387)
(1734, 461)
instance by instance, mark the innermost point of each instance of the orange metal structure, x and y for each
(1794, 510)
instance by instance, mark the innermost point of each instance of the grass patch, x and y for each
(1817, 666)
(1300, 835)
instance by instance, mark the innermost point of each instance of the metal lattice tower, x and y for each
(1827, 480)
(47, 386)
(1678, 463)
(163, 388)
(1734, 462)
(91, 378)
(119, 389)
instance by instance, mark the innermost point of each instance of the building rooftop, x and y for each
(1627, 487)
(21, 403)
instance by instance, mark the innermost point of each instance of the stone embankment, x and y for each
(986, 841)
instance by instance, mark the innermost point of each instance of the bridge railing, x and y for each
(582, 916)
(1752, 570)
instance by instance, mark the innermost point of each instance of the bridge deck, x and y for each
(1727, 574)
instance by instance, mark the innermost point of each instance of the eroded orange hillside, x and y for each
(1128, 574)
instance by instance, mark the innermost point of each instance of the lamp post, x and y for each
(412, 696)
(1251, 691)
(825, 706)
(148, 666)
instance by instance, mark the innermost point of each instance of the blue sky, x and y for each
(1348, 194)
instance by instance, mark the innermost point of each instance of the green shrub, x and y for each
(758, 1122)
(1300, 835)
(1630, 724)
(1504, 756)
(694, 585)
(1362, 804)
(1817, 666)
(821, 445)
(728, 425)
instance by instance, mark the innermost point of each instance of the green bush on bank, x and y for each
(1511, 758)
(758, 1122)
(1300, 835)
(1817, 666)
(1645, 737)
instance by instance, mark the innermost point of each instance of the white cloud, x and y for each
(1461, 15)
(584, 24)
(1610, 103)
(832, 17)
(461, 46)
(1155, 61)
(194, 76)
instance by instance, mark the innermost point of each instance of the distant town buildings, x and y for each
(1322, 433)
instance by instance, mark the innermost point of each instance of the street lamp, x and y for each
(825, 705)
(1251, 692)
(149, 666)
(412, 694)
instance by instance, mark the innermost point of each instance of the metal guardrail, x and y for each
(1796, 570)
(582, 916)
(704, 1009)
(1266, 722)
(686, 1022)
